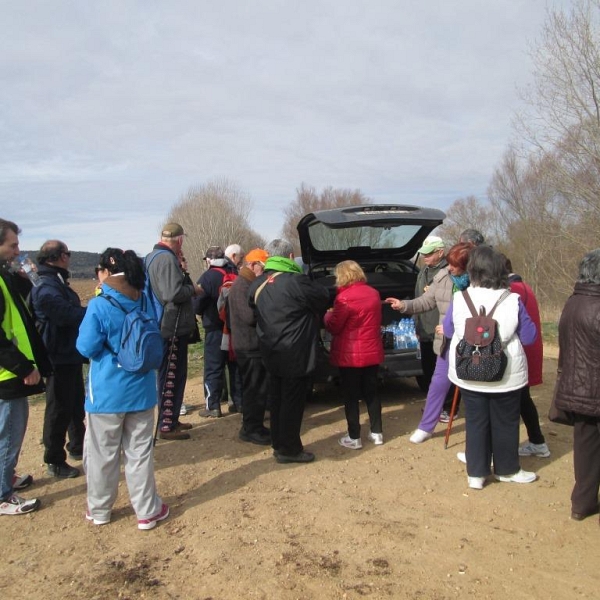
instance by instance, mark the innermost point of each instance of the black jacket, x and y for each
(289, 310)
(58, 313)
(10, 357)
(205, 304)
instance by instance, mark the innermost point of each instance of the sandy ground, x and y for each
(393, 521)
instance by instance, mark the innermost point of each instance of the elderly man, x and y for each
(289, 308)
(58, 314)
(23, 361)
(235, 255)
(253, 374)
(215, 358)
(432, 256)
(173, 290)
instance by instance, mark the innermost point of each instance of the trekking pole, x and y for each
(171, 348)
(452, 412)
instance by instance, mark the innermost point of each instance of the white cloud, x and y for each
(110, 111)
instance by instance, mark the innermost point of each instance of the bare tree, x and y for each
(563, 119)
(468, 213)
(214, 214)
(308, 200)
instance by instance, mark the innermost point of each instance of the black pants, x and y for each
(530, 417)
(65, 398)
(288, 395)
(492, 423)
(172, 377)
(428, 359)
(360, 383)
(255, 389)
(586, 462)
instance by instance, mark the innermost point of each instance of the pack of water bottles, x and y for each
(400, 335)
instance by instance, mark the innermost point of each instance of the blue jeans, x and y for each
(13, 423)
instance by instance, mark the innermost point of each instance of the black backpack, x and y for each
(479, 355)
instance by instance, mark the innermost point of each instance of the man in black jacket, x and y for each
(289, 309)
(58, 314)
(23, 361)
(254, 376)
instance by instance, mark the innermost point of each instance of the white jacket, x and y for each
(507, 316)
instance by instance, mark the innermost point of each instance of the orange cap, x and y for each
(256, 255)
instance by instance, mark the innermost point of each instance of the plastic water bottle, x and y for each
(25, 264)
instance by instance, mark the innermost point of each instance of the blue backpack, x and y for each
(141, 346)
(156, 306)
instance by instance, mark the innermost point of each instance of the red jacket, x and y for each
(355, 323)
(534, 352)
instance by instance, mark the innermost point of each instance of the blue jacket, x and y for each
(111, 389)
(58, 314)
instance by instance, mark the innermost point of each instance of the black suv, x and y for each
(382, 239)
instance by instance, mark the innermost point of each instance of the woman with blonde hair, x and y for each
(357, 349)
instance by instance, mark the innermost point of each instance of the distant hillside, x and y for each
(82, 263)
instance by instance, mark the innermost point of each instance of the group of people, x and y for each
(261, 317)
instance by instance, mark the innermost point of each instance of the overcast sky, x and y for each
(110, 111)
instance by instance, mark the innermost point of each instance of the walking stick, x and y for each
(452, 412)
(171, 348)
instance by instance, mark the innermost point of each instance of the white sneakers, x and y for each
(476, 483)
(16, 505)
(420, 436)
(349, 442)
(183, 410)
(376, 438)
(518, 477)
(529, 449)
(96, 521)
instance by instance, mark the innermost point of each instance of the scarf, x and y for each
(279, 263)
(461, 282)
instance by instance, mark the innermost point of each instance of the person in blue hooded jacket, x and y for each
(119, 404)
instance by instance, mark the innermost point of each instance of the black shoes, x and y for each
(301, 457)
(261, 439)
(76, 455)
(581, 516)
(214, 413)
(175, 434)
(64, 471)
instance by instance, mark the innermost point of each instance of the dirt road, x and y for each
(393, 521)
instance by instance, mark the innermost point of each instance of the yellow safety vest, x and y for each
(14, 329)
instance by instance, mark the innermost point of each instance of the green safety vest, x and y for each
(14, 329)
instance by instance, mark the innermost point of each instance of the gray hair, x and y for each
(279, 247)
(233, 249)
(473, 236)
(589, 268)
